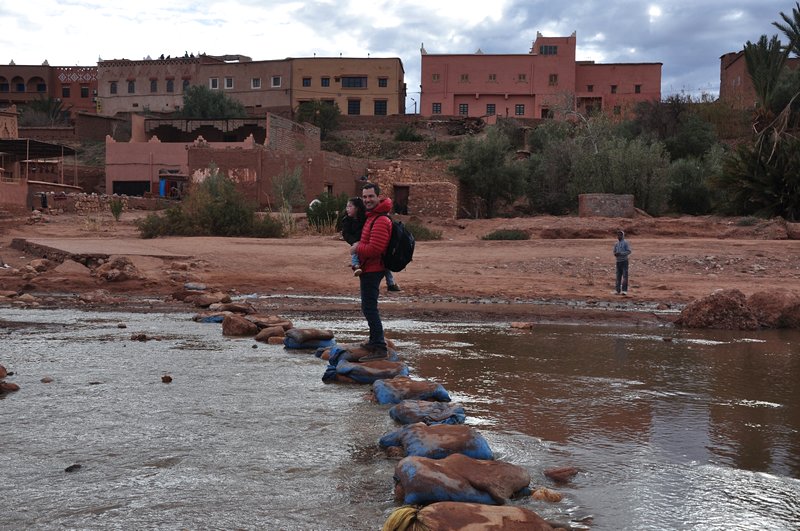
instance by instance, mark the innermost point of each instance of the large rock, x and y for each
(41, 264)
(3, 372)
(724, 309)
(236, 325)
(118, 269)
(234, 307)
(271, 331)
(207, 299)
(778, 308)
(71, 267)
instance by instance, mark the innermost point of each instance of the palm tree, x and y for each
(765, 61)
(791, 29)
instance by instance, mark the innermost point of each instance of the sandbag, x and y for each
(366, 372)
(420, 480)
(337, 353)
(290, 342)
(458, 516)
(401, 388)
(304, 335)
(438, 441)
(210, 317)
(412, 411)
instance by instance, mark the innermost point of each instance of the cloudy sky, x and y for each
(687, 36)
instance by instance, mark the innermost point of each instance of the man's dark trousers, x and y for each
(370, 289)
(622, 275)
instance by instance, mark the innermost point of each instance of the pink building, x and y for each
(542, 83)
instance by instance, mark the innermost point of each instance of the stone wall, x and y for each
(61, 200)
(606, 205)
(289, 137)
(432, 189)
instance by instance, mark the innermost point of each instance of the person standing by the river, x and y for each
(370, 248)
(622, 250)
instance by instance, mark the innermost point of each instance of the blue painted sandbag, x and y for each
(402, 388)
(289, 342)
(412, 411)
(439, 441)
(371, 371)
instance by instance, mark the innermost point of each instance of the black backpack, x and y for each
(400, 250)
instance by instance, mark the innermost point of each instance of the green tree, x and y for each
(487, 171)
(323, 115)
(202, 102)
(791, 28)
(765, 61)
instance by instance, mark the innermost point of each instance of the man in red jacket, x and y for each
(370, 249)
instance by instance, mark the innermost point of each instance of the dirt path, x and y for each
(566, 271)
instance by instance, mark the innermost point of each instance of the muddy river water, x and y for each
(670, 429)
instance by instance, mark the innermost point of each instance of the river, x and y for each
(669, 428)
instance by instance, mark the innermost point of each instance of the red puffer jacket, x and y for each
(375, 237)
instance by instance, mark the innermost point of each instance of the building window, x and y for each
(465, 78)
(275, 82)
(617, 109)
(553, 80)
(213, 83)
(84, 91)
(255, 83)
(519, 109)
(185, 85)
(492, 77)
(380, 107)
(354, 81)
(613, 89)
(306, 81)
(435, 77)
(522, 77)
(113, 87)
(41, 87)
(637, 89)
(65, 91)
(354, 107)
(153, 85)
(546, 113)
(548, 50)
(3, 87)
(491, 109)
(170, 85)
(463, 109)
(436, 108)
(383, 82)
(589, 88)
(325, 82)
(228, 82)
(131, 87)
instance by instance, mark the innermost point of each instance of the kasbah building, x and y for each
(167, 154)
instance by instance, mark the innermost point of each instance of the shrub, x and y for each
(442, 149)
(407, 133)
(747, 221)
(507, 234)
(214, 207)
(116, 207)
(423, 233)
(322, 214)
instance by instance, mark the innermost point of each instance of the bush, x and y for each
(323, 213)
(338, 145)
(116, 205)
(407, 133)
(422, 233)
(747, 221)
(507, 234)
(214, 207)
(445, 149)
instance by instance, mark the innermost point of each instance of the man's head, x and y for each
(369, 194)
(620, 235)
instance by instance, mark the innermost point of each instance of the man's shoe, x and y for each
(393, 287)
(375, 353)
(357, 272)
(624, 292)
